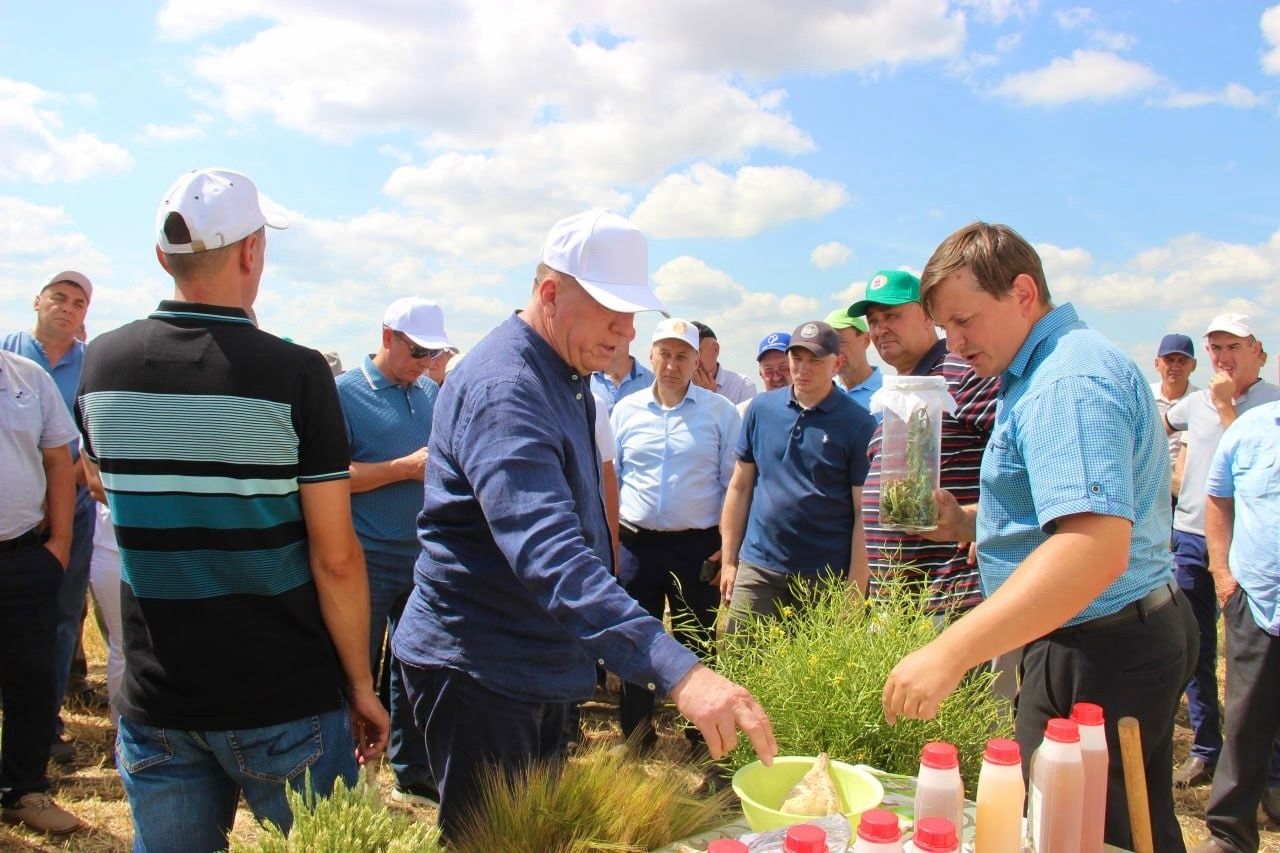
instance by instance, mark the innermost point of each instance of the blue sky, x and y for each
(777, 154)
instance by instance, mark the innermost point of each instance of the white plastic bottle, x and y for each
(1001, 796)
(878, 832)
(939, 789)
(1057, 790)
(1093, 751)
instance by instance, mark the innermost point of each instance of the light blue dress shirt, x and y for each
(675, 464)
(861, 393)
(638, 379)
(1246, 466)
(1077, 431)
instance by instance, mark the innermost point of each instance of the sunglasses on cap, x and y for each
(416, 351)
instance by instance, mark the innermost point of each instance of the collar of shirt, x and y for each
(172, 309)
(869, 382)
(826, 404)
(33, 348)
(1048, 326)
(375, 378)
(690, 396)
(931, 359)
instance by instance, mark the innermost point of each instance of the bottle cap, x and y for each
(805, 838)
(1002, 752)
(878, 825)
(726, 845)
(1063, 731)
(1087, 714)
(940, 756)
(935, 835)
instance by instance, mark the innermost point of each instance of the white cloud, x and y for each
(35, 146)
(829, 255)
(171, 132)
(1088, 75)
(1271, 35)
(706, 202)
(1074, 17)
(1232, 95)
(1108, 40)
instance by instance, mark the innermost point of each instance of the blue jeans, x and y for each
(183, 785)
(71, 596)
(390, 583)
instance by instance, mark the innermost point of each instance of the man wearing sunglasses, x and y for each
(388, 404)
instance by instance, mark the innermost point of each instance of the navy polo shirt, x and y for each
(807, 463)
(386, 420)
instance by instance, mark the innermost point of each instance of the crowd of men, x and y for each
(441, 553)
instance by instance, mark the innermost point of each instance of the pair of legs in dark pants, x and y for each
(469, 729)
(29, 581)
(1253, 723)
(1134, 669)
(657, 568)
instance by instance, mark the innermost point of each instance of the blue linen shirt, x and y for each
(1076, 431)
(675, 464)
(861, 393)
(639, 378)
(386, 420)
(1247, 466)
(807, 463)
(513, 585)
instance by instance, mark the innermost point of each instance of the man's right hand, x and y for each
(1224, 583)
(415, 464)
(720, 708)
(370, 723)
(703, 379)
(728, 571)
(1223, 389)
(61, 551)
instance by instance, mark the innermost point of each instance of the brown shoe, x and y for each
(39, 812)
(1194, 771)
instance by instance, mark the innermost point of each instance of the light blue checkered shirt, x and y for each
(1077, 431)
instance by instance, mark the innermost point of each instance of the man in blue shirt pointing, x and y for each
(514, 600)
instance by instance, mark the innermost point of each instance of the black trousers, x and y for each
(657, 569)
(1134, 669)
(1252, 723)
(29, 581)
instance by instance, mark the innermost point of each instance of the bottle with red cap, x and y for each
(878, 832)
(1057, 790)
(935, 835)
(1001, 796)
(939, 788)
(726, 845)
(1093, 752)
(805, 838)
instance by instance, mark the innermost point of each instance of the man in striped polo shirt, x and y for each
(245, 604)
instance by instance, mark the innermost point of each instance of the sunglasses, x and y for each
(416, 351)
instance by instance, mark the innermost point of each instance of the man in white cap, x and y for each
(514, 602)
(675, 458)
(60, 308)
(224, 460)
(1236, 357)
(387, 404)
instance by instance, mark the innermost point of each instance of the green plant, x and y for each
(907, 502)
(598, 801)
(350, 820)
(819, 669)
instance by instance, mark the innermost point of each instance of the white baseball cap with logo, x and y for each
(609, 257)
(218, 206)
(676, 329)
(420, 320)
(1232, 324)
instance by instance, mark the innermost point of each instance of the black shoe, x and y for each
(1192, 772)
(1271, 802)
(63, 751)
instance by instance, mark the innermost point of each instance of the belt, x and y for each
(628, 532)
(31, 537)
(1150, 603)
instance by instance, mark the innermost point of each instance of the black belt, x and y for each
(1150, 603)
(31, 537)
(628, 532)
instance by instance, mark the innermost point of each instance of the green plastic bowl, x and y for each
(762, 790)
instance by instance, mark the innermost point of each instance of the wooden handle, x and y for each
(1135, 784)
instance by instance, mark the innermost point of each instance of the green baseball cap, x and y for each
(841, 318)
(888, 287)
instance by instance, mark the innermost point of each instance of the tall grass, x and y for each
(819, 670)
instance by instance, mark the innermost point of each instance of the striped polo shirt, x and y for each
(204, 428)
(943, 568)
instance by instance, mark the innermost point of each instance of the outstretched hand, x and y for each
(720, 709)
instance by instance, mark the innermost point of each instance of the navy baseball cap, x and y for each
(774, 342)
(1171, 344)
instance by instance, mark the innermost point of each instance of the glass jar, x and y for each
(910, 449)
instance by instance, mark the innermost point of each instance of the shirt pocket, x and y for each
(1255, 473)
(22, 417)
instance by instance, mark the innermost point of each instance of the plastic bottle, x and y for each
(1057, 790)
(1001, 796)
(878, 832)
(935, 835)
(805, 838)
(1093, 751)
(939, 789)
(726, 845)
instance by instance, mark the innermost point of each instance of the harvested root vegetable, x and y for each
(815, 795)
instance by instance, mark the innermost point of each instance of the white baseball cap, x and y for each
(1232, 324)
(218, 206)
(79, 279)
(609, 257)
(677, 330)
(420, 320)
